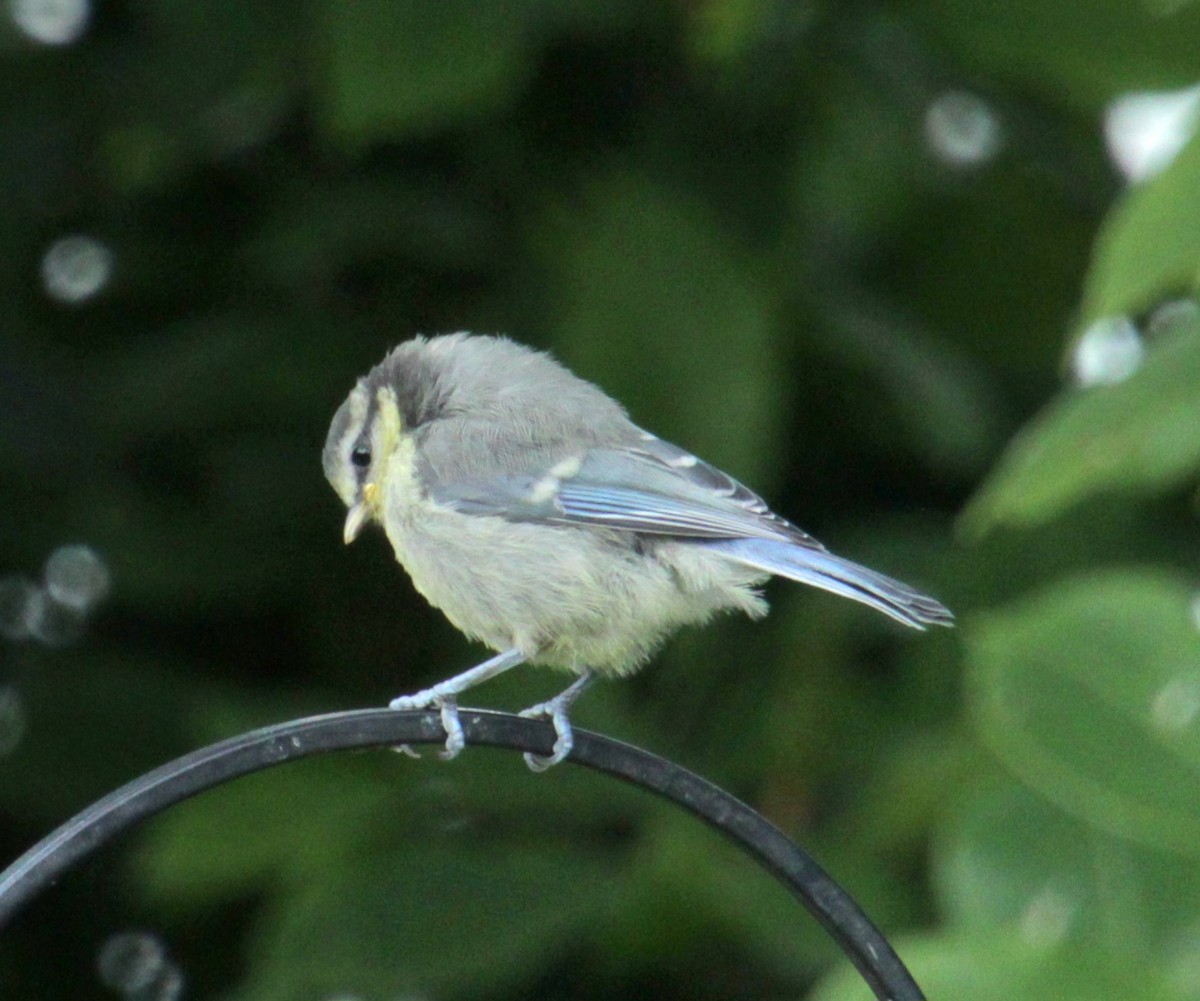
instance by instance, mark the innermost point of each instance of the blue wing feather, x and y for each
(622, 491)
(654, 488)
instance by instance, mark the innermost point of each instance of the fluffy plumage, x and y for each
(527, 506)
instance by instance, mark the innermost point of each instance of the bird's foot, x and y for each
(556, 710)
(564, 736)
(444, 696)
(447, 706)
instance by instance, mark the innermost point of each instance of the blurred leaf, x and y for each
(289, 826)
(1011, 859)
(1149, 248)
(88, 725)
(298, 825)
(242, 63)
(214, 372)
(448, 923)
(165, 553)
(316, 236)
(1084, 56)
(996, 967)
(1139, 436)
(722, 33)
(667, 313)
(936, 393)
(905, 795)
(393, 67)
(853, 174)
(685, 880)
(1090, 692)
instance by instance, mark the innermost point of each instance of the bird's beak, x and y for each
(359, 512)
(355, 520)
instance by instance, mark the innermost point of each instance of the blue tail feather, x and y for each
(839, 576)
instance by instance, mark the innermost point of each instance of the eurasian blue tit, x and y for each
(526, 505)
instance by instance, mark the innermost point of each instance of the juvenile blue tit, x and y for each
(526, 505)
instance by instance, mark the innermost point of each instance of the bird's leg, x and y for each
(445, 694)
(556, 710)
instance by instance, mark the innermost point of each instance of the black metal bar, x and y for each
(39, 867)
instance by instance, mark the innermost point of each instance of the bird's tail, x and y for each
(839, 576)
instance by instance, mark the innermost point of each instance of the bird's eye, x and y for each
(361, 457)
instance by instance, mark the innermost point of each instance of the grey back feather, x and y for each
(492, 416)
(488, 406)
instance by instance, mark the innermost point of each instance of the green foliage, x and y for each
(636, 256)
(739, 217)
(1054, 679)
(394, 68)
(1138, 436)
(1150, 245)
(1085, 57)
(399, 922)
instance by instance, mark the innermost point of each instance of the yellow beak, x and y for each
(360, 512)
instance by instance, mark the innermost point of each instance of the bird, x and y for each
(526, 505)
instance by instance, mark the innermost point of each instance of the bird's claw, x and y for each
(447, 706)
(555, 710)
(455, 739)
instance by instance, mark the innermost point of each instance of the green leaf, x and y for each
(1149, 248)
(1138, 436)
(292, 826)
(1084, 55)
(997, 967)
(664, 310)
(282, 827)
(87, 726)
(441, 922)
(934, 395)
(394, 67)
(1011, 859)
(684, 880)
(1089, 691)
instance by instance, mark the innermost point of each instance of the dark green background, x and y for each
(728, 214)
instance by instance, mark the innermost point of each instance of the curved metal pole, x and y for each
(153, 792)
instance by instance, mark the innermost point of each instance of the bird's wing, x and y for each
(653, 488)
(712, 480)
(648, 486)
